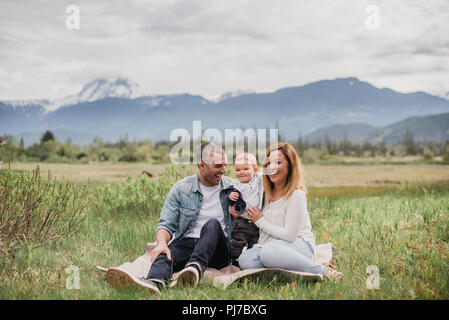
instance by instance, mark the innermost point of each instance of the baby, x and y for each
(245, 193)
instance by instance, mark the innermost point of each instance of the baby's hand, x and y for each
(234, 196)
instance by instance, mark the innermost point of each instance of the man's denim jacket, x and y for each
(183, 204)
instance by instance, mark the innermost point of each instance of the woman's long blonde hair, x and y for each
(295, 177)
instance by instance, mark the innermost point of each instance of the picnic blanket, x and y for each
(227, 275)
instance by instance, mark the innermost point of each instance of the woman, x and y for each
(286, 240)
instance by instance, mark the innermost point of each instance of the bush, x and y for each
(7, 153)
(428, 154)
(446, 157)
(312, 155)
(130, 153)
(142, 195)
(39, 209)
(44, 150)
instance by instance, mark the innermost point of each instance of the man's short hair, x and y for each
(203, 154)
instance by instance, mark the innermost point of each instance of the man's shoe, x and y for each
(120, 278)
(188, 276)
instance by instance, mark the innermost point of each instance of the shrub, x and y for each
(312, 155)
(428, 154)
(446, 157)
(130, 153)
(39, 209)
(142, 195)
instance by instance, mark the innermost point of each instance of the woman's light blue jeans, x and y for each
(296, 256)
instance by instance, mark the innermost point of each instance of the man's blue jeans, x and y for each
(212, 249)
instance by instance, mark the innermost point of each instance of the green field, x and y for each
(315, 175)
(402, 228)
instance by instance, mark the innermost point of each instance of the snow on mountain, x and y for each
(97, 90)
(101, 88)
(26, 103)
(232, 94)
(446, 95)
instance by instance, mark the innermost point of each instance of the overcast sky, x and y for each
(209, 47)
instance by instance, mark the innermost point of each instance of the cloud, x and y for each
(209, 47)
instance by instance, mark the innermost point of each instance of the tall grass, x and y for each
(41, 209)
(142, 195)
(404, 233)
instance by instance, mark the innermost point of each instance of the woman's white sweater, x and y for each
(285, 219)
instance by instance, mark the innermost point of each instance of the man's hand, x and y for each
(234, 196)
(160, 248)
(234, 213)
(162, 238)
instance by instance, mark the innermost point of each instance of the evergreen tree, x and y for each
(383, 147)
(410, 146)
(300, 146)
(345, 145)
(47, 136)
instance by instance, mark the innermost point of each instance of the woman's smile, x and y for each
(277, 168)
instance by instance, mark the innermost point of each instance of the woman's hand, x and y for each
(254, 213)
(234, 213)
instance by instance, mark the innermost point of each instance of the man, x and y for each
(194, 229)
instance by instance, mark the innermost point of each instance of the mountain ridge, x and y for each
(296, 110)
(432, 128)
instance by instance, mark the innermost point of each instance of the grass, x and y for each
(350, 174)
(98, 173)
(403, 229)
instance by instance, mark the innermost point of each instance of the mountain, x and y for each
(341, 101)
(232, 94)
(112, 109)
(97, 90)
(354, 132)
(434, 128)
(15, 117)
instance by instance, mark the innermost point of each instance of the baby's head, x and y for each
(245, 165)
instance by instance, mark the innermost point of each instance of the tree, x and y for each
(21, 148)
(47, 136)
(383, 147)
(276, 126)
(300, 146)
(130, 153)
(330, 145)
(359, 150)
(446, 152)
(410, 146)
(345, 145)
